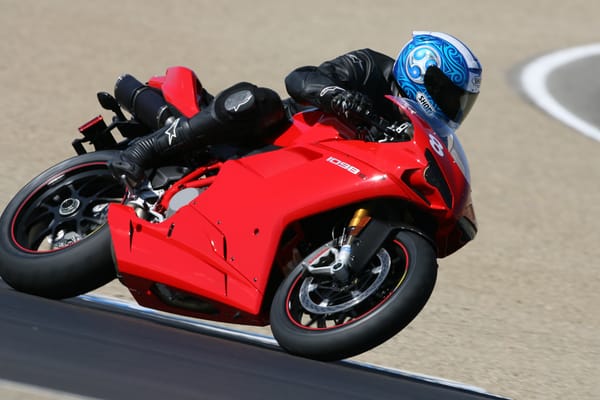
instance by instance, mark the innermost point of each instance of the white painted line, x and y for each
(533, 80)
(135, 308)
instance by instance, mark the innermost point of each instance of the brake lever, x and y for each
(388, 132)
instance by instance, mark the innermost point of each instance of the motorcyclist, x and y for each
(436, 70)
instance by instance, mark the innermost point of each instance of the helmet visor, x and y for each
(454, 101)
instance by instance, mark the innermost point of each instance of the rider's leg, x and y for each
(243, 112)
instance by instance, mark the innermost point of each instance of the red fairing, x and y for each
(222, 245)
(180, 88)
(187, 252)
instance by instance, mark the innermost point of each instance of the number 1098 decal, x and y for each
(350, 168)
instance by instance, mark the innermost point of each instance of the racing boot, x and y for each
(242, 113)
(168, 141)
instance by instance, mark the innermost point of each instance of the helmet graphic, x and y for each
(441, 74)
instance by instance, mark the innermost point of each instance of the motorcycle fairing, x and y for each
(222, 245)
(181, 89)
(246, 208)
(407, 162)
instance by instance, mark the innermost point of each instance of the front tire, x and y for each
(315, 317)
(54, 240)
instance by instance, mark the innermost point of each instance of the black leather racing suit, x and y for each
(245, 112)
(366, 71)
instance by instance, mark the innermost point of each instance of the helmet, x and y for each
(441, 74)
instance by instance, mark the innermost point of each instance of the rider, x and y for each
(436, 70)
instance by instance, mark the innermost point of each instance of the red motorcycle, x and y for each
(329, 233)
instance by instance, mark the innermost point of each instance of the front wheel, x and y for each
(54, 240)
(321, 318)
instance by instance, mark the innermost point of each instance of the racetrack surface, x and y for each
(70, 347)
(516, 311)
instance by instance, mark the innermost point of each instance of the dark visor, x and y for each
(452, 100)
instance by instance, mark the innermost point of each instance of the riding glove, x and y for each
(351, 105)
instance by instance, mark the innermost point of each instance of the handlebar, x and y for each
(386, 131)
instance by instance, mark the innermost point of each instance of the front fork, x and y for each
(361, 240)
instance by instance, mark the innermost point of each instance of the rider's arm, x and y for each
(318, 85)
(309, 85)
(365, 71)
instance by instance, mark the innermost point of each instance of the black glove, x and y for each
(351, 105)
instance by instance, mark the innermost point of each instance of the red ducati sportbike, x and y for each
(328, 233)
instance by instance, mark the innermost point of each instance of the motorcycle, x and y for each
(329, 233)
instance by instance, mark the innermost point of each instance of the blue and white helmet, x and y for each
(441, 74)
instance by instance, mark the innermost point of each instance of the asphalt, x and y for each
(103, 351)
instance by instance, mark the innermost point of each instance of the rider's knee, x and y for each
(245, 102)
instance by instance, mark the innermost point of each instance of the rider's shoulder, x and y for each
(372, 55)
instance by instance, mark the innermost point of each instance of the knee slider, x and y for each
(237, 102)
(255, 110)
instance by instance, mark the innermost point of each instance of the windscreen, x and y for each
(446, 134)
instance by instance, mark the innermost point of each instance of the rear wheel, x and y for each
(54, 241)
(319, 317)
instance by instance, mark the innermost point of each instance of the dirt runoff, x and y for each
(516, 311)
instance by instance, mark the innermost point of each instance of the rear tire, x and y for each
(54, 240)
(313, 317)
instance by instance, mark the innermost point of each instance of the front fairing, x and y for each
(442, 130)
(445, 150)
(430, 170)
